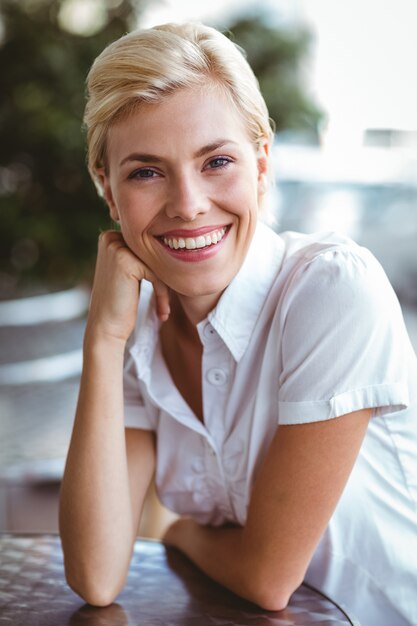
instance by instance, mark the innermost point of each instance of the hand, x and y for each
(115, 294)
(179, 533)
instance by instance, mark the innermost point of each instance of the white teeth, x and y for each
(191, 243)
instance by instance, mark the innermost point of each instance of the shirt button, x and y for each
(198, 466)
(208, 330)
(199, 498)
(216, 376)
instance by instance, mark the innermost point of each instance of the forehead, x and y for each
(186, 119)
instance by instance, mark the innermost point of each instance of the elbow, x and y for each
(273, 601)
(92, 591)
(270, 591)
(270, 598)
(97, 597)
(93, 578)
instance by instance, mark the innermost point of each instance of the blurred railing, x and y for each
(40, 364)
(367, 193)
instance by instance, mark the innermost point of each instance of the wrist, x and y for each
(95, 340)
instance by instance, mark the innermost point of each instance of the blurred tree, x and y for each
(50, 213)
(277, 56)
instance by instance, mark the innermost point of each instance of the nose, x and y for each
(187, 199)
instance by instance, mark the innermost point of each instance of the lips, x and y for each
(194, 245)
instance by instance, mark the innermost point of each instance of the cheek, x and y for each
(241, 196)
(133, 221)
(237, 183)
(137, 210)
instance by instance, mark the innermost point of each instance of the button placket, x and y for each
(205, 482)
(216, 375)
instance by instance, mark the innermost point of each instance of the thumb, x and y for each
(161, 293)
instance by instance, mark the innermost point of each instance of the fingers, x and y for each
(161, 294)
(162, 300)
(115, 238)
(108, 237)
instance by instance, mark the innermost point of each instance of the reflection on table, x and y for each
(163, 588)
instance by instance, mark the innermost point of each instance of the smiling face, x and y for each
(185, 180)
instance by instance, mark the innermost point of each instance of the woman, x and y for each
(267, 380)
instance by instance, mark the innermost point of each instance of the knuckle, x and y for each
(104, 239)
(109, 236)
(113, 245)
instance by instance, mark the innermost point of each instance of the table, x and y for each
(163, 589)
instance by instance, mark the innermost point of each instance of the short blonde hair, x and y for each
(148, 65)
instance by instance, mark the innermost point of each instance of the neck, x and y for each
(194, 309)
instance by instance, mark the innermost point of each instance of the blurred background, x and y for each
(338, 78)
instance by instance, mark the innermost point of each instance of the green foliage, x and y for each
(276, 56)
(50, 213)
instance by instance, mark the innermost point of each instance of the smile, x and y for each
(195, 243)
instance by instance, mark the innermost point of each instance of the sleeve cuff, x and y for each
(384, 399)
(137, 417)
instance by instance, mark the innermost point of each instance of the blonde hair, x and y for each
(148, 65)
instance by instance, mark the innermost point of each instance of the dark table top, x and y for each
(163, 589)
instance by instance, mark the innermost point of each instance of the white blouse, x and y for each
(308, 330)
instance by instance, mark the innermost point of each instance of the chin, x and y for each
(201, 289)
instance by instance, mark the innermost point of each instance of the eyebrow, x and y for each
(210, 147)
(153, 158)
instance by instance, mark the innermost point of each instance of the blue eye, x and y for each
(218, 162)
(144, 172)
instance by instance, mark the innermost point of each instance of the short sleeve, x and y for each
(343, 339)
(137, 415)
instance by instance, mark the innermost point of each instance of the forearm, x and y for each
(224, 555)
(219, 553)
(95, 510)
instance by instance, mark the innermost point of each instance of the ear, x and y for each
(263, 161)
(107, 193)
